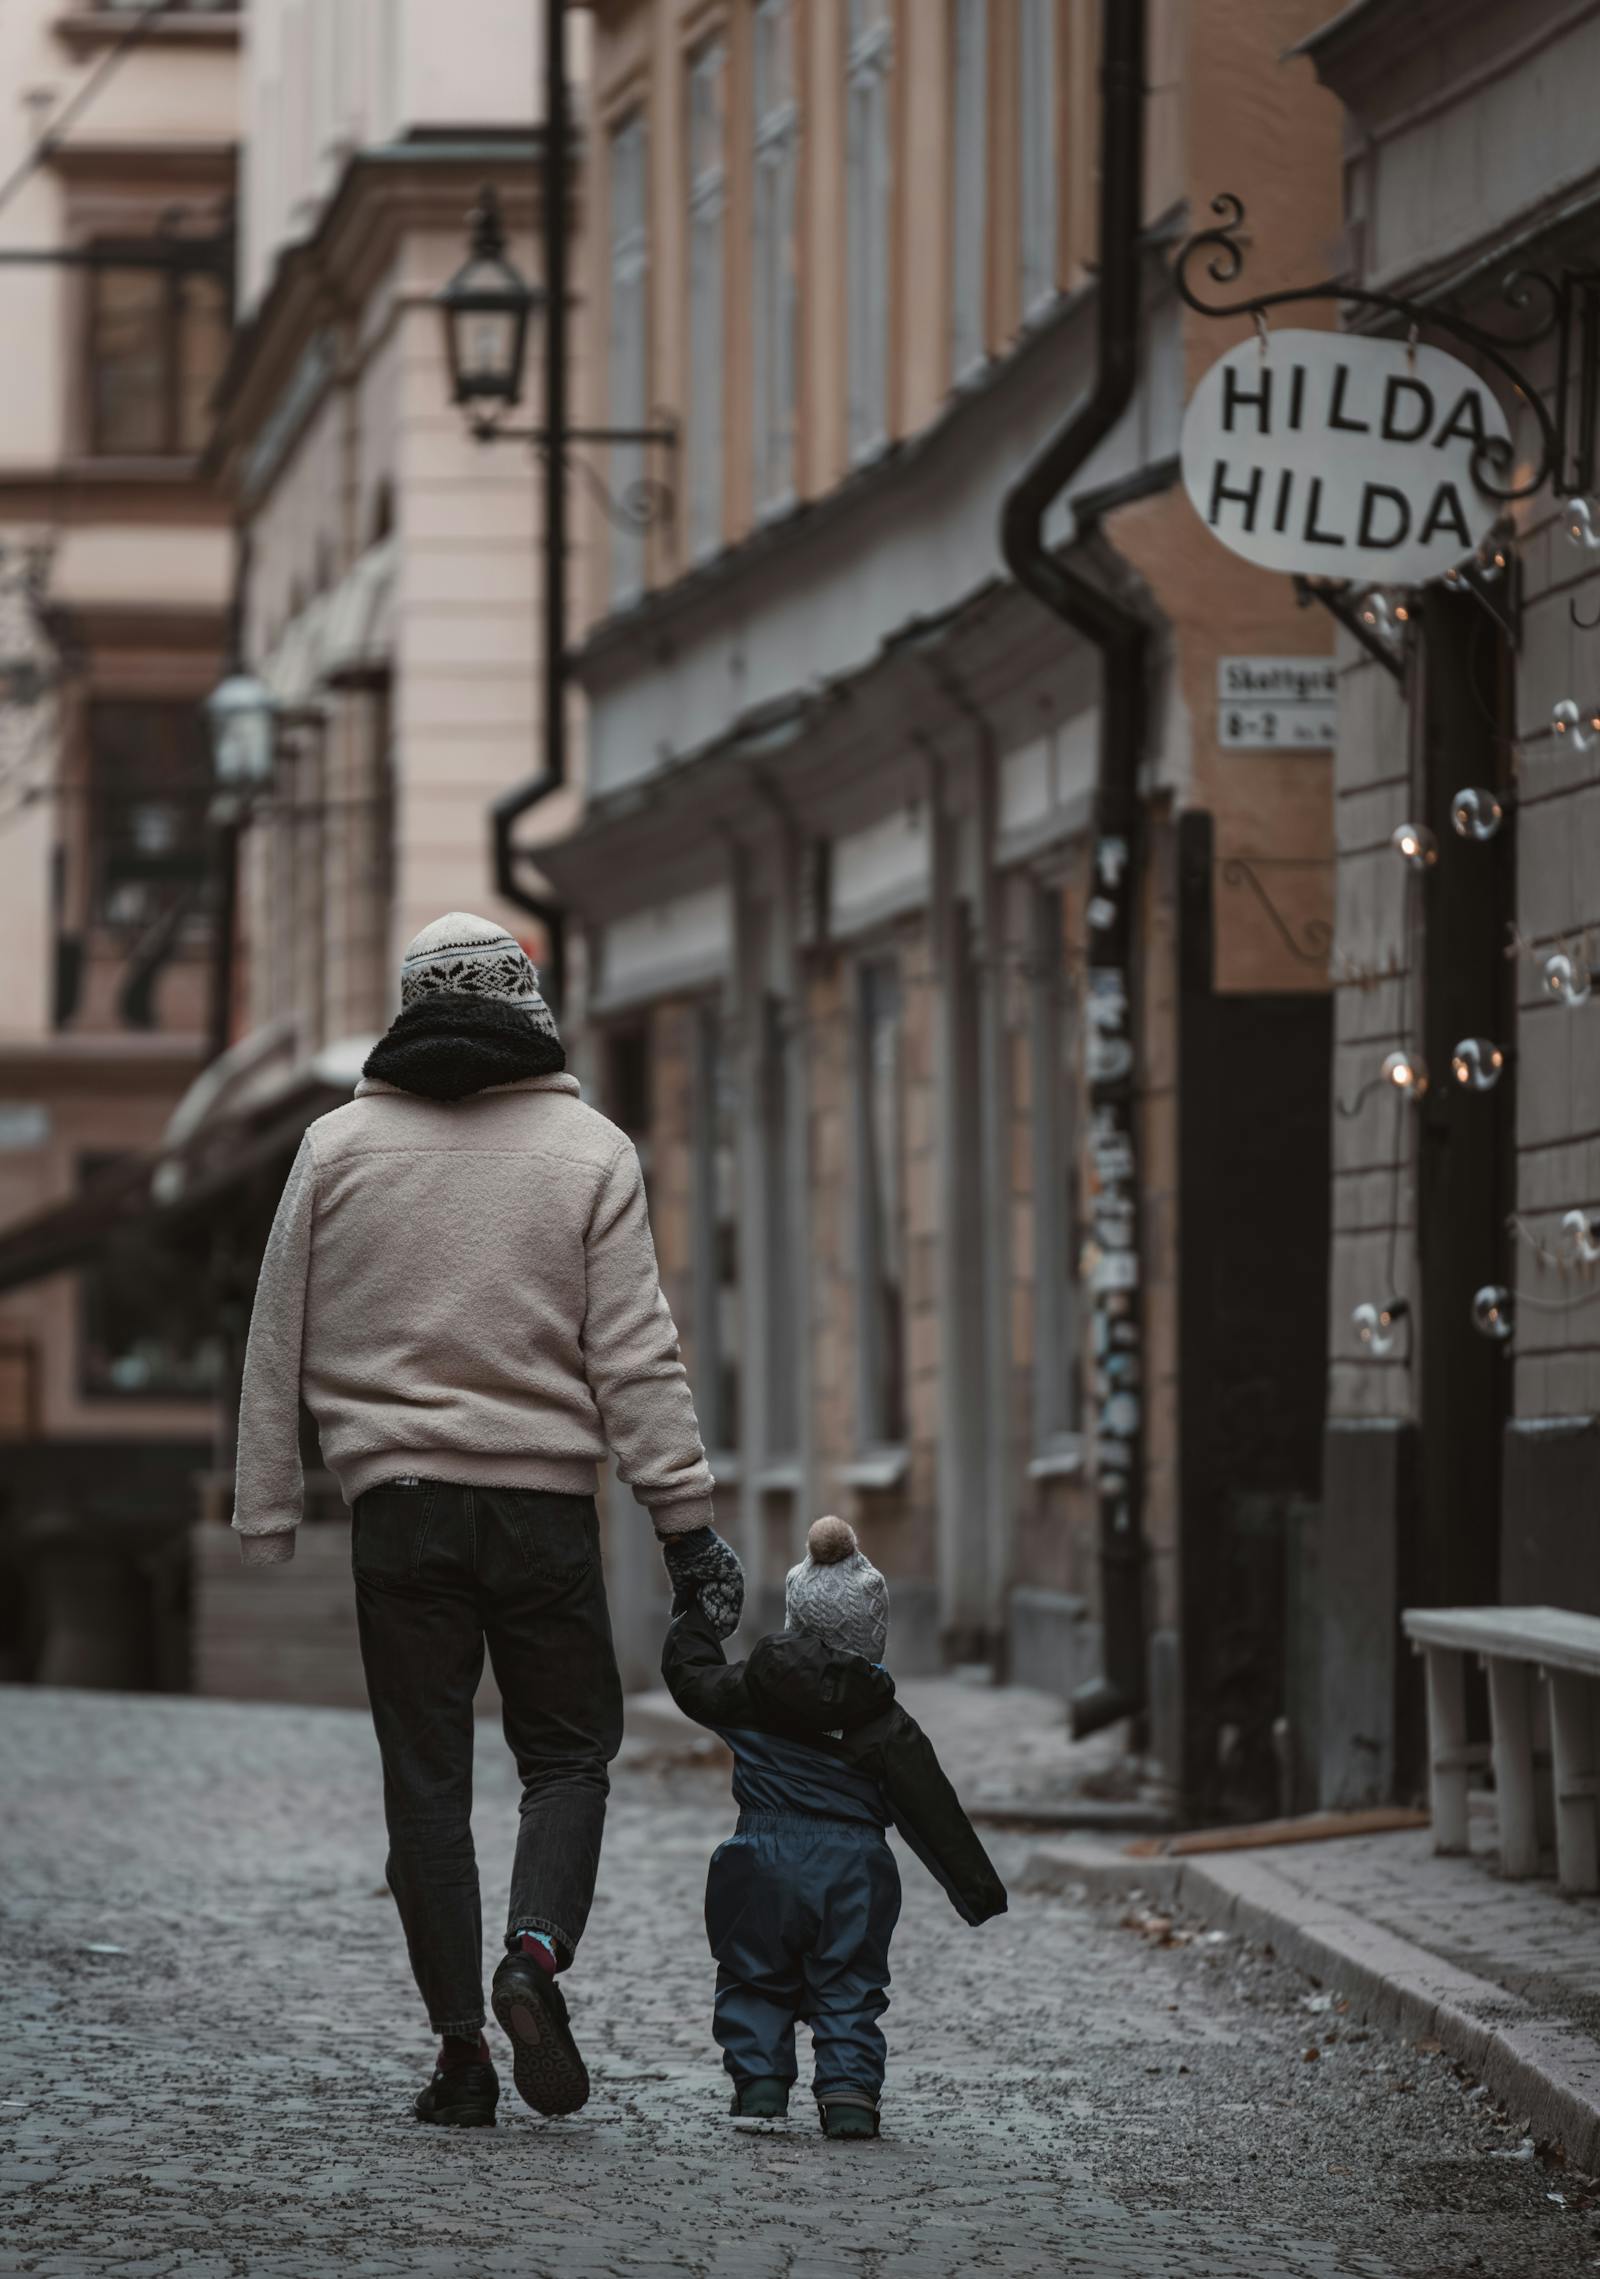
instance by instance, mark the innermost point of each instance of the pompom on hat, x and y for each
(463, 956)
(837, 1594)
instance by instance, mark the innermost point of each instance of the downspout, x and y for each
(512, 805)
(1111, 1027)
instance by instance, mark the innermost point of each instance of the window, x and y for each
(158, 338)
(708, 75)
(1036, 109)
(867, 222)
(716, 1234)
(148, 1320)
(783, 1283)
(629, 370)
(773, 295)
(149, 790)
(880, 1187)
(969, 184)
(1058, 1413)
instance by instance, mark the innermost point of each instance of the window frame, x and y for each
(775, 280)
(706, 241)
(1038, 59)
(718, 1400)
(884, 1413)
(628, 392)
(177, 266)
(869, 222)
(969, 125)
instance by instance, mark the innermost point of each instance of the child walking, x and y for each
(802, 1899)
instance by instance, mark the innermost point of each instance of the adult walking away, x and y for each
(461, 1285)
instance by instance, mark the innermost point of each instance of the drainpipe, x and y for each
(512, 805)
(1111, 1027)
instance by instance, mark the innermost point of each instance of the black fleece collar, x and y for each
(451, 1045)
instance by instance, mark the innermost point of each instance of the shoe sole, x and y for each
(761, 2124)
(467, 2120)
(545, 2064)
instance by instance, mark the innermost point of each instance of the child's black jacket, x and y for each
(798, 1688)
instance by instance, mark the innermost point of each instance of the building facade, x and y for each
(116, 255)
(833, 881)
(1462, 1450)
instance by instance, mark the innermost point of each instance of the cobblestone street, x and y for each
(229, 2097)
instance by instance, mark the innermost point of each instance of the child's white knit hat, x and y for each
(837, 1594)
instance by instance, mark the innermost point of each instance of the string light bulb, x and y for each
(1477, 1063)
(1475, 813)
(1416, 845)
(1580, 728)
(1388, 619)
(1378, 1327)
(1407, 1072)
(1566, 978)
(1493, 560)
(1584, 1228)
(1491, 1312)
(1581, 525)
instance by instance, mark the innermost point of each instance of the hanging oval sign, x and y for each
(1335, 456)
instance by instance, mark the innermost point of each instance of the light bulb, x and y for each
(1416, 846)
(1585, 1232)
(1476, 813)
(1491, 1312)
(1476, 1064)
(1566, 978)
(1580, 525)
(1493, 559)
(1378, 1327)
(1455, 577)
(1383, 616)
(1579, 728)
(1407, 1072)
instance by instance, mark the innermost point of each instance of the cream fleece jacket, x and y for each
(464, 1290)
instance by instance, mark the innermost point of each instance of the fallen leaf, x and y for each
(1311, 2056)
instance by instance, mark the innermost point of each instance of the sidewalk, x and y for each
(1504, 1977)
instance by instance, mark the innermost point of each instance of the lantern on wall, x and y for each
(487, 307)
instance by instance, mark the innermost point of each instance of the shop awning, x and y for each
(293, 672)
(358, 634)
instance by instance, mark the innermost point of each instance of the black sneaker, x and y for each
(847, 2117)
(462, 2098)
(760, 2104)
(548, 2071)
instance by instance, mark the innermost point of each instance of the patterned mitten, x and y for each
(703, 1567)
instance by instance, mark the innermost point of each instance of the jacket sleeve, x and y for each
(269, 1486)
(699, 1676)
(631, 1357)
(927, 1812)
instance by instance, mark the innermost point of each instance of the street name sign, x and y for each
(1330, 455)
(1277, 704)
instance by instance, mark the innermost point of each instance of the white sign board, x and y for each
(1277, 704)
(1334, 456)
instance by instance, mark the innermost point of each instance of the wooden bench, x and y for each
(1521, 1648)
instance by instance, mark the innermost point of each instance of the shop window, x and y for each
(626, 1091)
(157, 342)
(148, 1322)
(149, 791)
(708, 76)
(880, 1187)
(969, 184)
(716, 1235)
(1037, 97)
(774, 287)
(629, 369)
(1058, 1374)
(867, 170)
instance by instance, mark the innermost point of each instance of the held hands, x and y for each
(703, 1567)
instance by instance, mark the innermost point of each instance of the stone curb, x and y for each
(1542, 2067)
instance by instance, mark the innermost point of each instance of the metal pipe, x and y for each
(522, 798)
(1111, 1027)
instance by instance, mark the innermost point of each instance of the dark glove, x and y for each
(705, 1568)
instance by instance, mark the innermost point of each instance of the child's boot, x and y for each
(759, 2104)
(847, 2115)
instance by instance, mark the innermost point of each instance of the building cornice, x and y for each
(80, 492)
(147, 166)
(83, 31)
(149, 1062)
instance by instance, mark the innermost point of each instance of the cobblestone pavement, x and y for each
(229, 2098)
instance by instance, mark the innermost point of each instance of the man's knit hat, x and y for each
(471, 957)
(837, 1594)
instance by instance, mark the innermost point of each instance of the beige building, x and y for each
(832, 877)
(1463, 1467)
(116, 254)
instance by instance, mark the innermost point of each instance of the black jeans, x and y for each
(439, 1570)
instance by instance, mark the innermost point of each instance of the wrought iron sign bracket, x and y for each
(645, 503)
(1563, 308)
(1341, 600)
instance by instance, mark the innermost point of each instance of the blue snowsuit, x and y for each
(802, 1899)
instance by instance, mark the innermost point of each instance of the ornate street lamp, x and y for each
(486, 309)
(242, 716)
